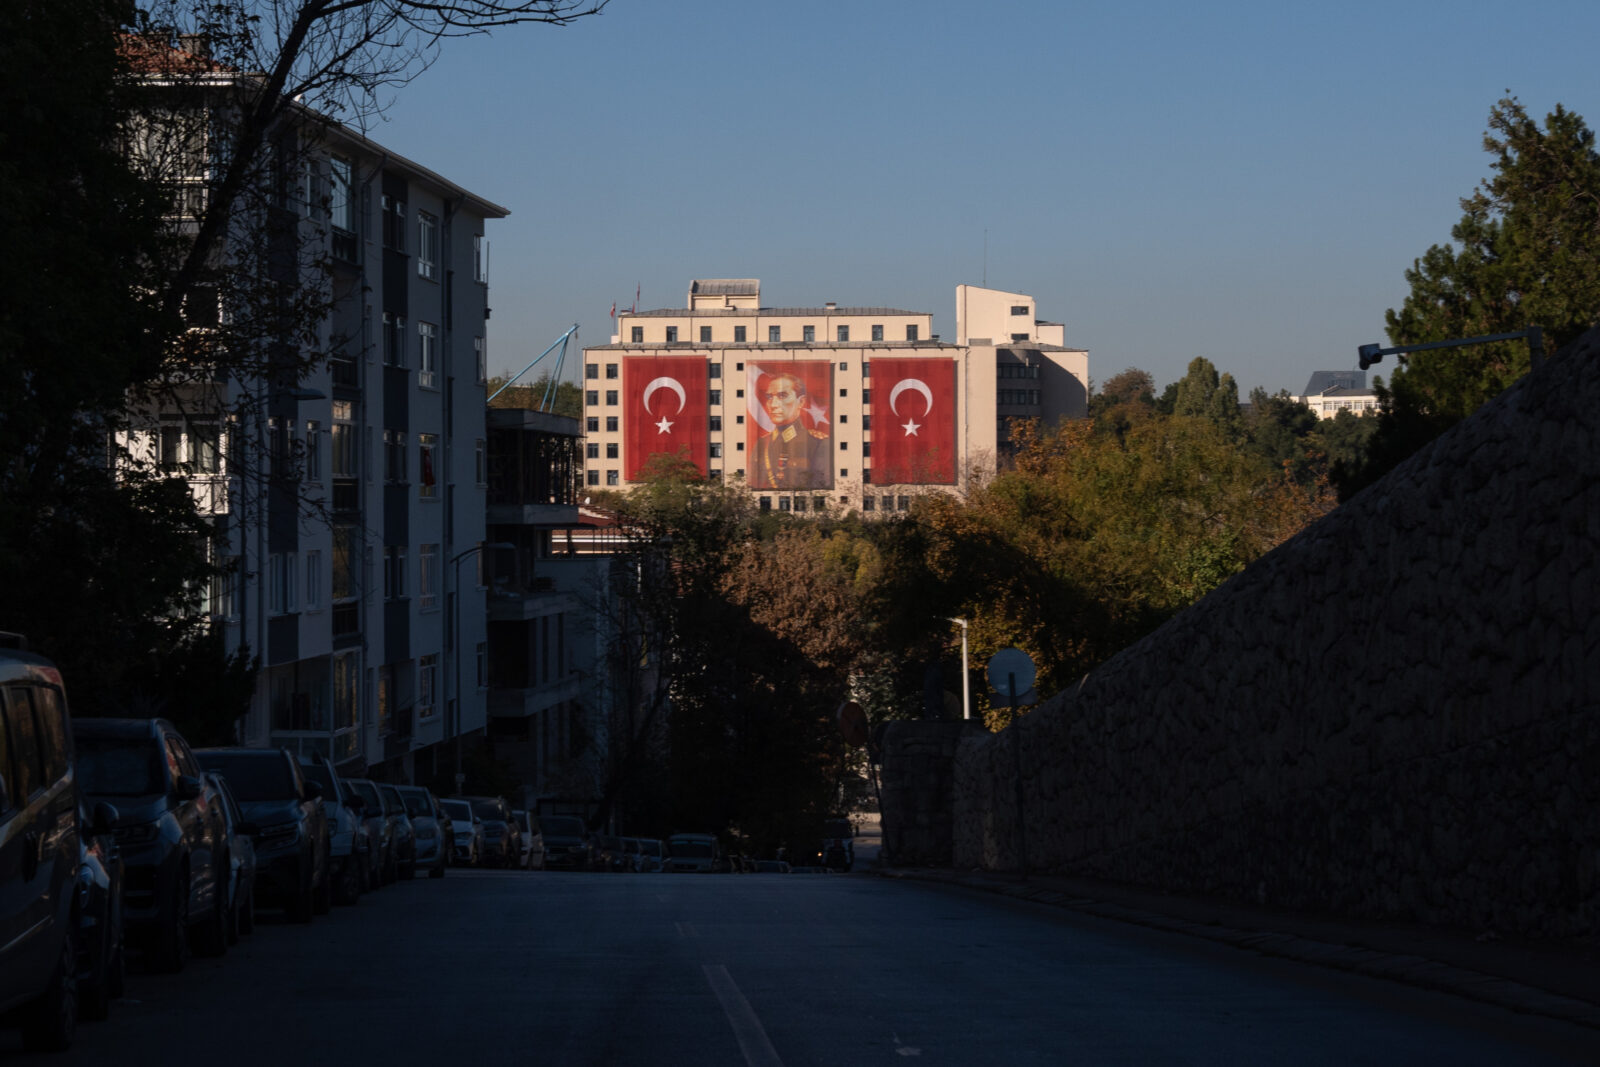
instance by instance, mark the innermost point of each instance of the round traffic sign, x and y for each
(1011, 672)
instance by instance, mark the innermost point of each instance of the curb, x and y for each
(1409, 970)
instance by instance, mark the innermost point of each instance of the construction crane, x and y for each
(553, 380)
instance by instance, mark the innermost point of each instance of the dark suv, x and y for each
(40, 851)
(291, 828)
(171, 830)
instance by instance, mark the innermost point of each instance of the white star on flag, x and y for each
(911, 428)
(664, 426)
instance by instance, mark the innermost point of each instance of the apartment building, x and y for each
(1332, 391)
(783, 400)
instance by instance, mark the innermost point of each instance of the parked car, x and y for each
(609, 855)
(422, 808)
(566, 843)
(40, 852)
(241, 888)
(501, 842)
(101, 940)
(291, 837)
(171, 830)
(404, 834)
(652, 855)
(532, 841)
(380, 831)
(467, 830)
(772, 867)
(349, 844)
(693, 853)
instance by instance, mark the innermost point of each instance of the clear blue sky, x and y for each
(1241, 181)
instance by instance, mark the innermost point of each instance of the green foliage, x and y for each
(567, 399)
(1527, 254)
(1204, 394)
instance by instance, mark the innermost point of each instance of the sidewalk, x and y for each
(1552, 980)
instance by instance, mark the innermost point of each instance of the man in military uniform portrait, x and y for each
(791, 455)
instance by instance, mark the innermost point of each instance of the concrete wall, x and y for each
(1394, 715)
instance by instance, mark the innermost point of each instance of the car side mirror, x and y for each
(187, 787)
(103, 818)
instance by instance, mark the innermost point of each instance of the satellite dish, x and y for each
(1011, 673)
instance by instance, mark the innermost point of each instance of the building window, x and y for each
(313, 451)
(611, 398)
(866, 398)
(428, 576)
(394, 339)
(1019, 337)
(844, 446)
(765, 503)
(394, 455)
(800, 503)
(738, 445)
(427, 354)
(808, 334)
(774, 334)
(611, 424)
(592, 397)
(672, 334)
(427, 245)
(738, 335)
(427, 465)
(592, 371)
(716, 450)
(592, 424)
(785, 503)
(903, 503)
(911, 332)
(280, 583)
(593, 477)
(714, 370)
(844, 393)
(427, 686)
(637, 335)
(480, 354)
(716, 424)
(705, 335)
(877, 332)
(480, 258)
(867, 503)
(481, 659)
(394, 224)
(844, 333)
(611, 450)
(1019, 309)
(611, 478)
(714, 397)
(313, 580)
(480, 462)
(343, 460)
(888, 503)
(591, 450)
(611, 371)
(866, 449)
(843, 419)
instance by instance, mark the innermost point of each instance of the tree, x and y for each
(1203, 393)
(1528, 254)
(542, 394)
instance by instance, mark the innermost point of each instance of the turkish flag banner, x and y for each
(664, 411)
(913, 421)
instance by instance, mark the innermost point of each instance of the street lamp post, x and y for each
(453, 654)
(966, 678)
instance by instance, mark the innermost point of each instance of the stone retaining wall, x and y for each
(1394, 715)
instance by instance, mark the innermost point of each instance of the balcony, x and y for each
(517, 703)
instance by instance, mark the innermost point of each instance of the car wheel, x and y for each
(52, 1020)
(171, 949)
(349, 888)
(437, 870)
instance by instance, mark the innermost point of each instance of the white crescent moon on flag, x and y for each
(910, 383)
(667, 383)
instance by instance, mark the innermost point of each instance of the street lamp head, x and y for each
(1370, 354)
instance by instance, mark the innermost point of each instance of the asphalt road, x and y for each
(488, 968)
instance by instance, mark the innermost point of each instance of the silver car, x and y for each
(468, 832)
(433, 851)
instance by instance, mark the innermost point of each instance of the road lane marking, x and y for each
(747, 1029)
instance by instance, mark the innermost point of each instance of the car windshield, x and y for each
(118, 767)
(253, 776)
(691, 849)
(417, 805)
(369, 797)
(457, 810)
(319, 773)
(561, 826)
(488, 809)
(650, 848)
(392, 804)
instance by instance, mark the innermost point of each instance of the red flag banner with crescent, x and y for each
(913, 421)
(664, 411)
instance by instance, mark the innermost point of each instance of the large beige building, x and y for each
(783, 400)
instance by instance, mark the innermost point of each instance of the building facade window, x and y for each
(716, 424)
(394, 572)
(427, 354)
(844, 333)
(808, 334)
(343, 450)
(314, 580)
(480, 462)
(394, 455)
(611, 424)
(611, 398)
(427, 465)
(714, 370)
(1019, 309)
(877, 332)
(480, 358)
(716, 450)
(428, 576)
(738, 335)
(714, 397)
(911, 332)
(427, 246)
(591, 450)
(427, 686)
(592, 477)
(592, 424)
(611, 371)
(394, 224)
(280, 583)
(611, 478)
(774, 334)
(636, 335)
(705, 335)
(394, 339)
(611, 450)
(313, 451)
(672, 334)
(592, 371)
(592, 397)
(480, 258)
